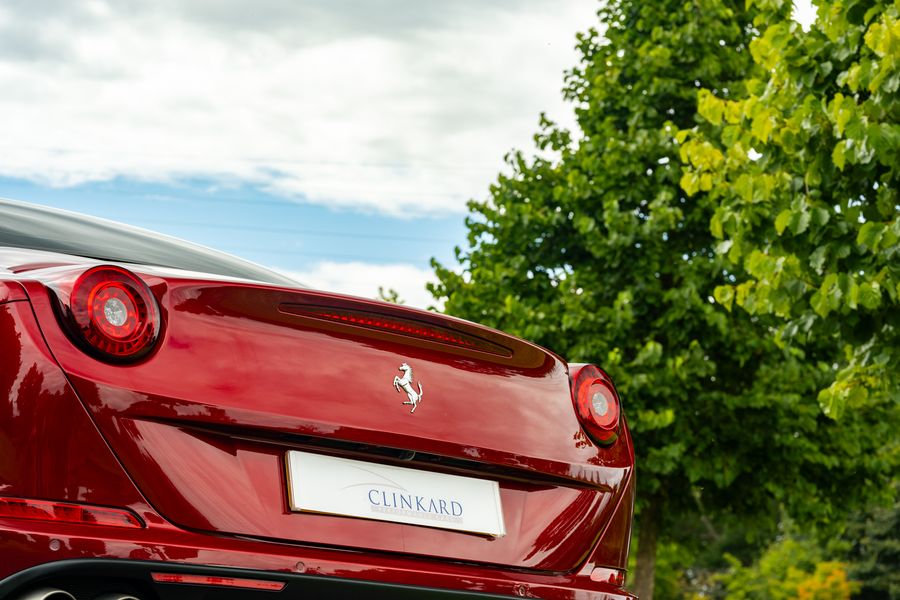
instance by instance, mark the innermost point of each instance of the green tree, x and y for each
(592, 249)
(805, 166)
(389, 295)
(789, 568)
(874, 552)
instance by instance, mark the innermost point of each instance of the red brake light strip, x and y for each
(233, 582)
(406, 327)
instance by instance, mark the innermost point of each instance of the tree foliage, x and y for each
(600, 248)
(389, 295)
(805, 168)
(790, 568)
(874, 552)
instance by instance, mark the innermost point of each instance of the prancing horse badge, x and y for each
(405, 384)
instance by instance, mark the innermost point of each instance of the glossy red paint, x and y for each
(49, 446)
(30, 543)
(10, 290)
(192, 440)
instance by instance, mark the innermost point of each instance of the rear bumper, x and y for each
(135, 577)
(77, 557)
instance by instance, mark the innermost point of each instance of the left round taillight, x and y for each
(112, 314)
(597, 403)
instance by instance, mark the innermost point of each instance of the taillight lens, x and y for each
(596, 403)
(66, 512)
(112, 313)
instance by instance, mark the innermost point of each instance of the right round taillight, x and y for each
(596, 403)
(113, 314)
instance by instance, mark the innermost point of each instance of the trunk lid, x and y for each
(245, 372)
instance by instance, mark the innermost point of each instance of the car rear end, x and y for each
(168, 435)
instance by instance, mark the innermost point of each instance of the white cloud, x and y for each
(403, 106)
(363, 279)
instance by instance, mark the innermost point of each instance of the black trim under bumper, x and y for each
(87, 577)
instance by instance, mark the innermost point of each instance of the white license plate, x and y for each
(354, 488)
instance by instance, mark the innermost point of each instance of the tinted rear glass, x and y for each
(39, 228)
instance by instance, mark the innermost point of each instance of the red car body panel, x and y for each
(192, 440)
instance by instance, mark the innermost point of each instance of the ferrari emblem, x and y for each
(405, 384)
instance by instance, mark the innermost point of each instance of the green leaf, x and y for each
(744, 187)
(870, 295)
(828, 297)
(585, 224)
(852, 79)
(853, 296)
(690, 183)
(832, 402)
(800, 222)
(650, 354)
(870, 235)
(837, 156)
(817, 259)
(760, 265)
(715, 224)
(843, 111)
(762, 126)
(724, 295)
(820, 216)
(650, 420)
(782, 220)
(733, 112)
(709, 107)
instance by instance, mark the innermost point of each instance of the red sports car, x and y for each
(178, 423)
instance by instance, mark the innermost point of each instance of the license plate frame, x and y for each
(331, 485)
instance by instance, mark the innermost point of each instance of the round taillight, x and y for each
(114, 314)
(596, 403)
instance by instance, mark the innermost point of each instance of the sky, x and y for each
(336, 140)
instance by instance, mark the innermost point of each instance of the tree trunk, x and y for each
(645, 571)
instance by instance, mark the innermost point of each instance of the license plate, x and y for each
(354, 488)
